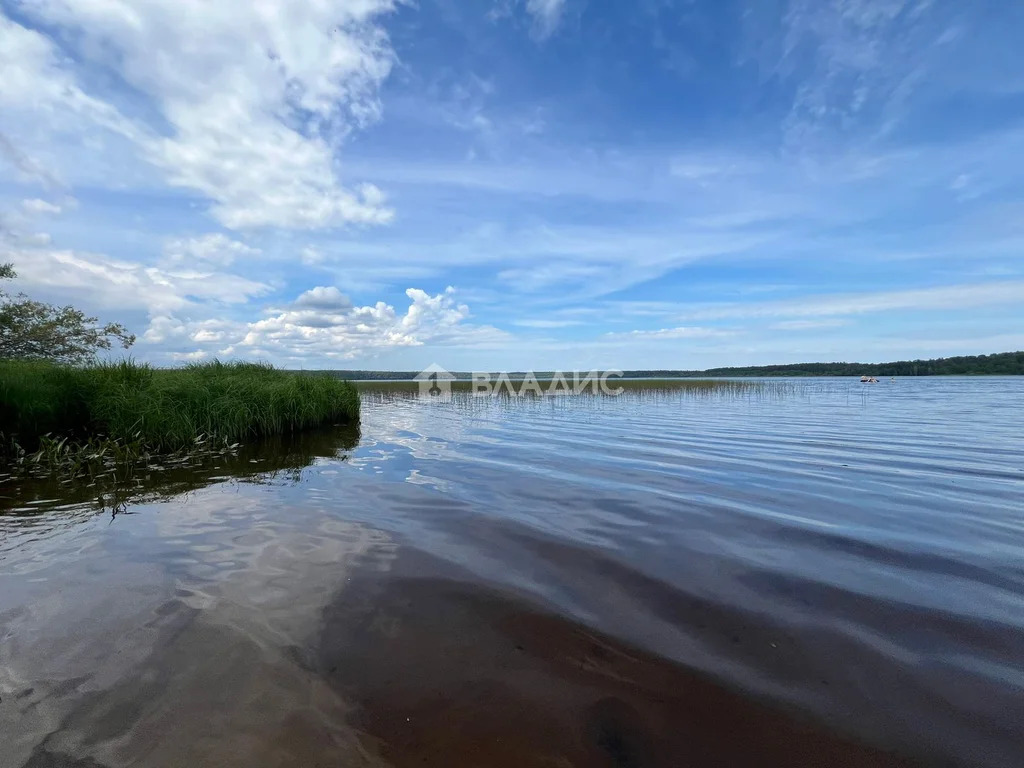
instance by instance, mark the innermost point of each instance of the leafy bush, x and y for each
(33, 330)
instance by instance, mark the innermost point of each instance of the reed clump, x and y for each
(56, 414)
(632, 386)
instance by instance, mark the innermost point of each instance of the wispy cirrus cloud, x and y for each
(679, 332)
(37, 206)
(547, 14)
(211, 250)
(246, 102)
(114, 283)
(808, 325)
(940, 298)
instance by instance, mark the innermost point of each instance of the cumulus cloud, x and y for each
(322, 324)
(170, 330)
(163, 328)
(324, 298)
(190, 357)
(252, 98)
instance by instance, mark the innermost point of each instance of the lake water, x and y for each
(827, 575)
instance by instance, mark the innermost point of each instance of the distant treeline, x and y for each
(373, 375)
(1004, 364)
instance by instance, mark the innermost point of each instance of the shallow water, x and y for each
(830, 575)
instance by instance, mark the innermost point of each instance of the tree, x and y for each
(32, 330)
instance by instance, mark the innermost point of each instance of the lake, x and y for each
(826, 573)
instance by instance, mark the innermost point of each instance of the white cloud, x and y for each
(247, 108)
(111, 284)
(950, 298)
(39, 95)
(537, 277)
(170, 330)
(547, 14)
(212, 250)
(440, 310)
(311, 256)
(702, 169)
(36, 75)
(37, 206)
(808, 325)
(14, 239)
(343, 332)
(681, 332)
(163, 328)
(585, 262)
(215, 330)
(194, 355)
(324, 298)
(530, 322)
(855, 66)
(253, 98)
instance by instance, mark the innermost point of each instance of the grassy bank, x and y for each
(161, 410)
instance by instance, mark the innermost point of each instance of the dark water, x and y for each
(830, 576)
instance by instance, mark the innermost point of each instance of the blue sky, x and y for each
(520, 183)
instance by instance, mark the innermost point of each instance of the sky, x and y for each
(517, 184)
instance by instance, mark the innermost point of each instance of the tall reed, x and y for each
(164, 410)
(637, 386)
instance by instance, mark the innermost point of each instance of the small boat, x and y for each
(868, 380)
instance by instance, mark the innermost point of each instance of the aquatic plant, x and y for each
(110, 475)
(55, 414)
(633, 386)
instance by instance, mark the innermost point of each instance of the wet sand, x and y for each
(445, 673)
(414, 665)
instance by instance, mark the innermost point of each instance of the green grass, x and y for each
(161, 410)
